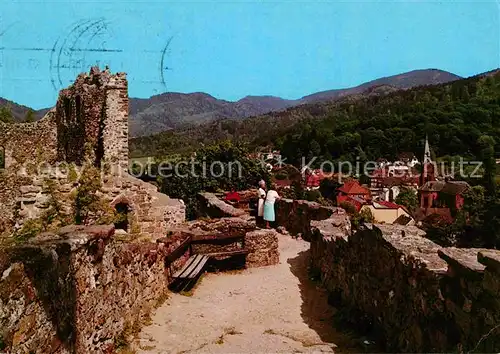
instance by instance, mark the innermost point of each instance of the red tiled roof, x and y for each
(353, 187)
(356, 201)
(389, 205)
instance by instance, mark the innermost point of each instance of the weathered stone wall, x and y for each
(78, 291)
(115, 132)
(413, 295)
(33, 143)
(263, 248)
(296, 215)
(213, 207)
(151, 213)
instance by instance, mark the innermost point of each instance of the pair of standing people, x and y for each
(266, 203)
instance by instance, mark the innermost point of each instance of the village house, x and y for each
(438, 197)
(389, 178)
(443, 198)
(388, 213)
(383, 211)
(386, 187)
(352, 191)
(313, 178)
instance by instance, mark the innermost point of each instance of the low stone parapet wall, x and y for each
(79, 290)
(211, 206)
(263, 248)
(296, 215)
(411, 294)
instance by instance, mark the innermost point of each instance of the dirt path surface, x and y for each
(262, 310)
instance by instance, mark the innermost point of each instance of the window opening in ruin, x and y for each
(2, 158)
(99, 150)
(67, 109)
(79, 108)
(122, 211)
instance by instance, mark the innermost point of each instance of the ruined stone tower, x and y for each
(92, 120)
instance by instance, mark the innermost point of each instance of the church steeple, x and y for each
(427, 152)
(428, 172)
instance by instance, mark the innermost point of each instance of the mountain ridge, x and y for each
(172, 110)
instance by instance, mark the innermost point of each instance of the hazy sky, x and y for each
(231, 49)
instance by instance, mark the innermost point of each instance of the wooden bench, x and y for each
(229, 253)
(193, 267)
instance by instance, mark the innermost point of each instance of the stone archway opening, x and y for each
(122, 221)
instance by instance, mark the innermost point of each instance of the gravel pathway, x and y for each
(261, 310)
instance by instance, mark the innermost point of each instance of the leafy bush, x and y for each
(281, 175)
(30, 229)
(89, 206)
(312, 195)
(407, 198)
(357, 218)
(328, 188)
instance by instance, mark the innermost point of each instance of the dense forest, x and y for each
(378, 123)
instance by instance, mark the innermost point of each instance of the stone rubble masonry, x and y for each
(29, 142)
(296, 215)
(263, 247)
(115, 132)
(213, 207)
(415, 295)
(25, 145)
(76, 291)
(152, 213)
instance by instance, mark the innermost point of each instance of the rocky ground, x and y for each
(261, 310)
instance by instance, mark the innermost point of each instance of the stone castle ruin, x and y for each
(88, 126)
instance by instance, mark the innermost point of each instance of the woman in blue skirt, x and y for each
(271, 197)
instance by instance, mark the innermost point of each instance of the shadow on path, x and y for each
(319, 315)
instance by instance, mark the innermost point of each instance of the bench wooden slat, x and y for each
(228, 253)
(179, 251)
(200, 266)
(193, 266)
(188, 267)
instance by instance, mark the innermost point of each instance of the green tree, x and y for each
(407, 198)
(30, 116)
(6, 114)
(88, 205)
(487, 153)
(328, 188)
